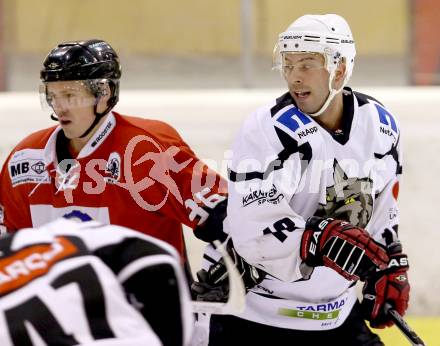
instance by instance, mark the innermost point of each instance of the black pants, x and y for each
(230, 330)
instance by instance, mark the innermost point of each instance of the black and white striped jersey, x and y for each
(71, 283)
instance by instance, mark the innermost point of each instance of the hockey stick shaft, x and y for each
(400, 323)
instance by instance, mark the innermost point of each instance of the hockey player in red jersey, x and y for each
(101, 165)
(84, 283)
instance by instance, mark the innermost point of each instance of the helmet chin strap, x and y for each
(98, 117)
(332, 93)
(91, 127)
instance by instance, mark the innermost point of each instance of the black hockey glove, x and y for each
(212, 228)
(213, 284)
(202, 290)
(347, 249)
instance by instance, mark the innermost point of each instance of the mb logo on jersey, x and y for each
(23, 169)
(349, 199)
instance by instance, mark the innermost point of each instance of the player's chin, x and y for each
(69, 133)
(304, 105)
(306, 108)
(309, 107)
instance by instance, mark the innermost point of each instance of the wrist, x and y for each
(312, 240)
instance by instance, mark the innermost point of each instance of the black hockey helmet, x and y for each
(81, 60)
(91, 61)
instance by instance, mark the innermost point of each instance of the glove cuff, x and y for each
(311, 240)
(398, 260)
(309, 251)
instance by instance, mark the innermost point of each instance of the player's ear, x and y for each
(340, 71)
(104, 98)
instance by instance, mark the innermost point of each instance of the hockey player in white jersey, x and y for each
(314, 180)
(71, 283)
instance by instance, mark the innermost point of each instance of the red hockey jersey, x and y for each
(133, 172)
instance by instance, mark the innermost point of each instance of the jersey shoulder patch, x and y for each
(294, 122)
(387, 122)
(27, 166)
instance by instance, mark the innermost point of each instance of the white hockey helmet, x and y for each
(327, 34)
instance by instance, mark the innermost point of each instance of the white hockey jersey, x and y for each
(70, 283)
(286, 168)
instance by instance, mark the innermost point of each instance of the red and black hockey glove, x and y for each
(213, 284)
(387, 286)
(347, 249)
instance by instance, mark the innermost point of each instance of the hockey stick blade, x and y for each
(236, 297)
(400, 323)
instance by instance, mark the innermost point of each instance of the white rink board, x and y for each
(209, 119)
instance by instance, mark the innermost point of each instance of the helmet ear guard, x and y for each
(98, 87)
(99, 92)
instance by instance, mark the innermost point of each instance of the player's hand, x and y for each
(202, 290)
(347, 249)
(214, 282)
(387, 286)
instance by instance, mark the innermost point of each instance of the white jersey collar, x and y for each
(94, 142)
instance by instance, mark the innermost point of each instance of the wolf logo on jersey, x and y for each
(348, 199)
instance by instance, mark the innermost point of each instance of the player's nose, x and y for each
(58, 107)
(60, 112)
(293, 77)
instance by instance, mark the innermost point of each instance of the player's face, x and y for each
(73, 104)
(307, 79)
